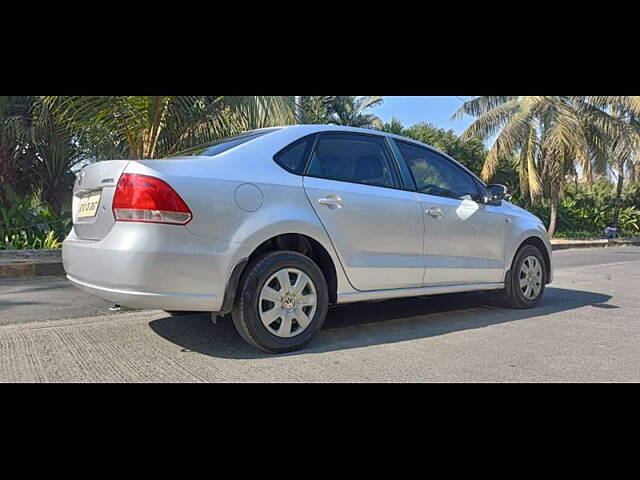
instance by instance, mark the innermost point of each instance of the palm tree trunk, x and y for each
(618, 202)
(298, 107)
(632, 176)
(553, 218)
(151, 140)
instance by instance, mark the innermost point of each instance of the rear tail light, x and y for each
(140, 198)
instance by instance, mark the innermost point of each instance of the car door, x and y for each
(376, 227)
(464, 238)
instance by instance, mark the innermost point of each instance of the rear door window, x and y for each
(353, 158)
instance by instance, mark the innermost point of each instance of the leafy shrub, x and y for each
(581, 234)
(24, 241)
(588, 217)
(27, 224)
(630, 221)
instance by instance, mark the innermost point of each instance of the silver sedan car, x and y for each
(275, 225)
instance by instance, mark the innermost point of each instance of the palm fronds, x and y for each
(348, 111)
(157, 126)
(554, 136)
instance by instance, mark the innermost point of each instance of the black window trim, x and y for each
(396, 157)
(446, 158)
(395, 174)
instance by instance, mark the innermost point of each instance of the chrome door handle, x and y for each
(435, 212)
(331, 201)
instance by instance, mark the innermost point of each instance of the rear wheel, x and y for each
(525, 286)
(281, 303)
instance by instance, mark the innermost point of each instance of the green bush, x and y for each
(26, 223)
(584, 213)
(581, 234)
(24, 241)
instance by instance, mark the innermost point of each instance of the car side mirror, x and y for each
(494, 194)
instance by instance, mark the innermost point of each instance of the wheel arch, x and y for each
(291, 241)
(308, 246)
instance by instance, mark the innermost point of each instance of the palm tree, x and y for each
(37, 152)
(351, 111)
(51, 150)
(625, 153)
(14, 121)
(161, 126)
(551, 136)
(625, 145)
(315, 109)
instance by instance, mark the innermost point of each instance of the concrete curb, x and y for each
(30, 263)
(30, 268)
(31, 254)
(594, 244)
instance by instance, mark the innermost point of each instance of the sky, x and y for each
(435, 110)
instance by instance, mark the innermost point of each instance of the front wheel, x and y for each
(281, 303)
(525, 286)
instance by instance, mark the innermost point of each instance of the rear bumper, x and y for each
(152, 300)
(151, 266)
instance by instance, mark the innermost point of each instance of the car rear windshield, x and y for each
(228, 143)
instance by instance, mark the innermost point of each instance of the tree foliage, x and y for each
(42, 139)
(315, 110)
(161, 126)
(348, 111)
(14, 125)
(552, 137)
(470, 152)
(557, 155)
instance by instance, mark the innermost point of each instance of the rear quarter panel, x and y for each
(209, 186)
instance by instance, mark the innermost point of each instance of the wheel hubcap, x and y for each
(287, 303)
(531, 277)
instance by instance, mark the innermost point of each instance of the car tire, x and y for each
(525, 283)
(292, 319)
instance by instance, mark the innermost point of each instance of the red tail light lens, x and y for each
(140, 198)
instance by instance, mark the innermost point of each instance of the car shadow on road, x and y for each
(364, 324)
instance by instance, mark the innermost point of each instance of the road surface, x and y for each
(587, 329)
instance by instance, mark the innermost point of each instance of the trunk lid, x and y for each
(94, 189)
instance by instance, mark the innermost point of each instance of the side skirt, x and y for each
(349, 297)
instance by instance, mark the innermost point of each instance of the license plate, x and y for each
(89, 206)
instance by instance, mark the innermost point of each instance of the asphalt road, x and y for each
(587, 329)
